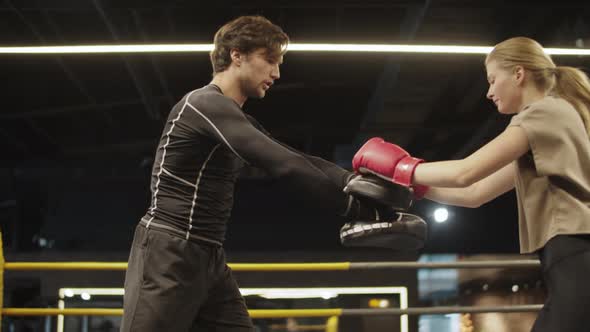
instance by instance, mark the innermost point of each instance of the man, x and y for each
(177, 279)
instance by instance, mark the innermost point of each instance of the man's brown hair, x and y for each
(247, 34)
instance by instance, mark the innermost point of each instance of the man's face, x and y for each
(258, 71)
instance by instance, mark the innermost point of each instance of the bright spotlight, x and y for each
(69, 293)
(441, 215)
(85, 296)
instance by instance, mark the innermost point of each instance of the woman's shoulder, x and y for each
(550, 106)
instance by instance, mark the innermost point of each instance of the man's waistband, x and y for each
(187, 234)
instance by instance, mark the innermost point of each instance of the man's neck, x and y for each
(230, 87)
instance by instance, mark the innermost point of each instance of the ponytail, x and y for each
(568, 83)
(572, 85)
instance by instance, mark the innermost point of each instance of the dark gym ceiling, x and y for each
(61, 112)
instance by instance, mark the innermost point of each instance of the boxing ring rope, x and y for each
(284, 267)
(331, 315)
(294, 313)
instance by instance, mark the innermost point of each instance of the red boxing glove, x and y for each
(388, 161)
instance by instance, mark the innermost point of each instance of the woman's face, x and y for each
(505, 88)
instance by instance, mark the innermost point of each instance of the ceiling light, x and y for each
(295, 47)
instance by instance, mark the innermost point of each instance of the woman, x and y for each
(544, 153)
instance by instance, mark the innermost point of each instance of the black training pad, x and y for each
(385, 192)
(406, 233)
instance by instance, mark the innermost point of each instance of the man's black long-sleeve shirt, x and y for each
(205, 143)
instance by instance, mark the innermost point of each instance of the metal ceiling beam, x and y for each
(34, 127)
(483, 130)
(298, 130)
(153, 60)
(139, 83)
(386, 83)
(46, 112)
(237, 5)
(41, 132)
(326, 4)
(69, 72)
(10, 140)
(168, 14)
(64, 67)
(389, 76)
(134, 146)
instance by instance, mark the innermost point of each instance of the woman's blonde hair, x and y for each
(568, 83)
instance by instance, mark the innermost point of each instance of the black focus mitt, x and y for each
(373, 188)
(405, 233)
